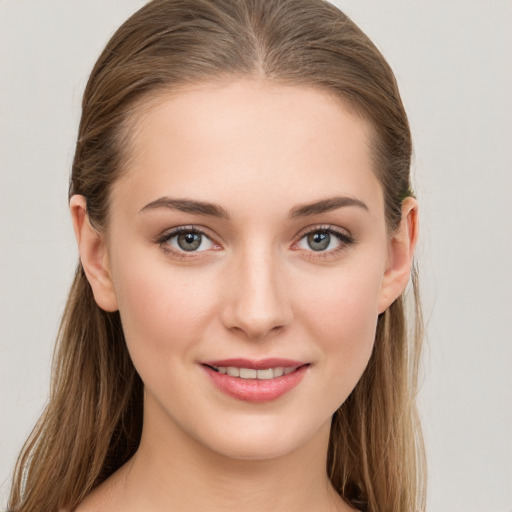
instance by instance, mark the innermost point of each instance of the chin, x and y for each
(263, 439)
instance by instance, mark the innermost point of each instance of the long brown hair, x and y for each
(93, 421)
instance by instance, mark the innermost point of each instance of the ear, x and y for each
(93, 255)
(401, 251)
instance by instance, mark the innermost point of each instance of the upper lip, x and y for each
(261, 364)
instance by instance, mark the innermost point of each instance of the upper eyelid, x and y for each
(163, 239)
(172, 232)
(323, 227)
(344, 237)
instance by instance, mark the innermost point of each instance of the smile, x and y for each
(252, 373)
(255, 381)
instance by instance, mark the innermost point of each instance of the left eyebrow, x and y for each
(326, 205)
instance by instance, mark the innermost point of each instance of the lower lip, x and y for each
(256, 390)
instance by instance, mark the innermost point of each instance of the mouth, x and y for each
(255, 381)
(252, 373)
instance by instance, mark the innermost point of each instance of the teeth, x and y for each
(250, 373)
(265, 374)
(233, 372)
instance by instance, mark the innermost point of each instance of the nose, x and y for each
(257, 301)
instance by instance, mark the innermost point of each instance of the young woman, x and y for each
(235, 336)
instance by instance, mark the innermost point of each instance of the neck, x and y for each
(172, 471)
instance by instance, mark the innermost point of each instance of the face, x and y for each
(249, 260)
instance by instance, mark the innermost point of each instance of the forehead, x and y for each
(243, 139)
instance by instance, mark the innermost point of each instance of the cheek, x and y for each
(343, 302)
(162, 311)
(342, 312)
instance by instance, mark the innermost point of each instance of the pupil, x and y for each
(319, 241)
(189, 241)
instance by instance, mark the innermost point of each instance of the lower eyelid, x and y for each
(164, 241)
(342, 237)
(204, 240)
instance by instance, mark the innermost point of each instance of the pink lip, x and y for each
(256, 390)
(262, 364)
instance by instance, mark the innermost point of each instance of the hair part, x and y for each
(92, 423)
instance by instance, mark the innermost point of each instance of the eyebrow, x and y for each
(188, 206)
(326, 205)
(214, 210)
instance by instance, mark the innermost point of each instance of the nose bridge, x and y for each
(258, 302)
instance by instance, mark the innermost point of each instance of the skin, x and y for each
(257, 290)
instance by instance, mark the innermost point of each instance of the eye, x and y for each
(186, 240)
(324, 240)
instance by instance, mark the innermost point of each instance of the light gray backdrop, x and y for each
(453, 63)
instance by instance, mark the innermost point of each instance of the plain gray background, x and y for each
(453, 63)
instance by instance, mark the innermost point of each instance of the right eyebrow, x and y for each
(187, 206)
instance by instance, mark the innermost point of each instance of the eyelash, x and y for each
(344, 238)
(163, 240)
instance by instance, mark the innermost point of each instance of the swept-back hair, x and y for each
(93, 421)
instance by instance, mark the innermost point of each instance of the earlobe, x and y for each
(402, 245)
(93, 255)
